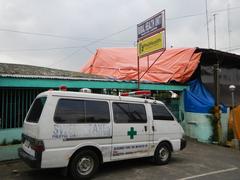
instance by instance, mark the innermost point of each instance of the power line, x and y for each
(225, 9)
(234, 49)
(57, 36)
(38, 34)
(185, 16)
(201, 13)
(66, 57)
(94, 41)
(112, 41)
(90, 39)
(55, 48)
(91, 43)
(231, 49)
(38, 49)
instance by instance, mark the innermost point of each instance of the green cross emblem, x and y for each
(132, 133)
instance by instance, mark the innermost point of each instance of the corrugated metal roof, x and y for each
(67, 78)
(50, 77)
(20, 69)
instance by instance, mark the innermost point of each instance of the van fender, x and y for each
(91, 146)
(173, 143)
(156, 143)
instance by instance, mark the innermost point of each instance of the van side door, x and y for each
(130, 130)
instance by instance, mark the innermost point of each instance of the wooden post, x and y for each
(217, 110)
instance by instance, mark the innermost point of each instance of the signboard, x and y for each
(155, 24)
(151, 45)
(151, 35)
(151, 38)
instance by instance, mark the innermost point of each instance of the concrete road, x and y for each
(197, 161)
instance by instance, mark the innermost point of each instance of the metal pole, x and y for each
(232, 88)
(233, 115)
(218, 126)
(138, 72)
(206, 5)
(138, 67)
(233, 100)
(229, 30)
(217, 84)
(148, 61)
(215, 39)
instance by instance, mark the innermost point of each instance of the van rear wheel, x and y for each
(84, 165)
(162, 154)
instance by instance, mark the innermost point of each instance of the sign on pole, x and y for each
(151, 35)
(151, 44)
(151, 38)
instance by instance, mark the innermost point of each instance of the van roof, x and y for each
(96, 96)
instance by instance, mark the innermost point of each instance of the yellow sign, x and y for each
(150, 45)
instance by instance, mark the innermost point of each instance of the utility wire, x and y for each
(91, 43)
(38, 49)
(233, 48)
(57, 36)
(98, 40)
(39, 34)
(91, 39)
(201, 13)
(56, 48)
(64, 58)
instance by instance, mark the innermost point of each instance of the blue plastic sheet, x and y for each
(198, 99)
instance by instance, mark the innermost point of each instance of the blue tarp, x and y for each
(198, 99)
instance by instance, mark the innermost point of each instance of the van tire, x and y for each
(162, 154)
(84, 164)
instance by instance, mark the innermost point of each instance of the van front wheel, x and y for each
(84, 165)
(162, 154)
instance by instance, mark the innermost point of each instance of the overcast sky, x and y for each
(65, 33)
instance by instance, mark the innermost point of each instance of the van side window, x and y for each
(161, 113)
(81, 111)
(36, 110)
(129, 113)
(97, 112)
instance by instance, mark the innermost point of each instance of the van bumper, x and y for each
(183, 144)
(33, 162)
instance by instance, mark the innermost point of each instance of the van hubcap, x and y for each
(85, 165)
(163, 154)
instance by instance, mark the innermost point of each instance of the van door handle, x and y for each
(153, 128)
(145, 128)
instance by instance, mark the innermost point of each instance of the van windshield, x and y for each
(36, 110)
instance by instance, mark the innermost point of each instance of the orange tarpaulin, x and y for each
(236, 121)
(121, 63)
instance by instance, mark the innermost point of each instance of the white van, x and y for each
(80, 131)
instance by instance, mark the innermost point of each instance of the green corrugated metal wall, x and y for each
(15, 103)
